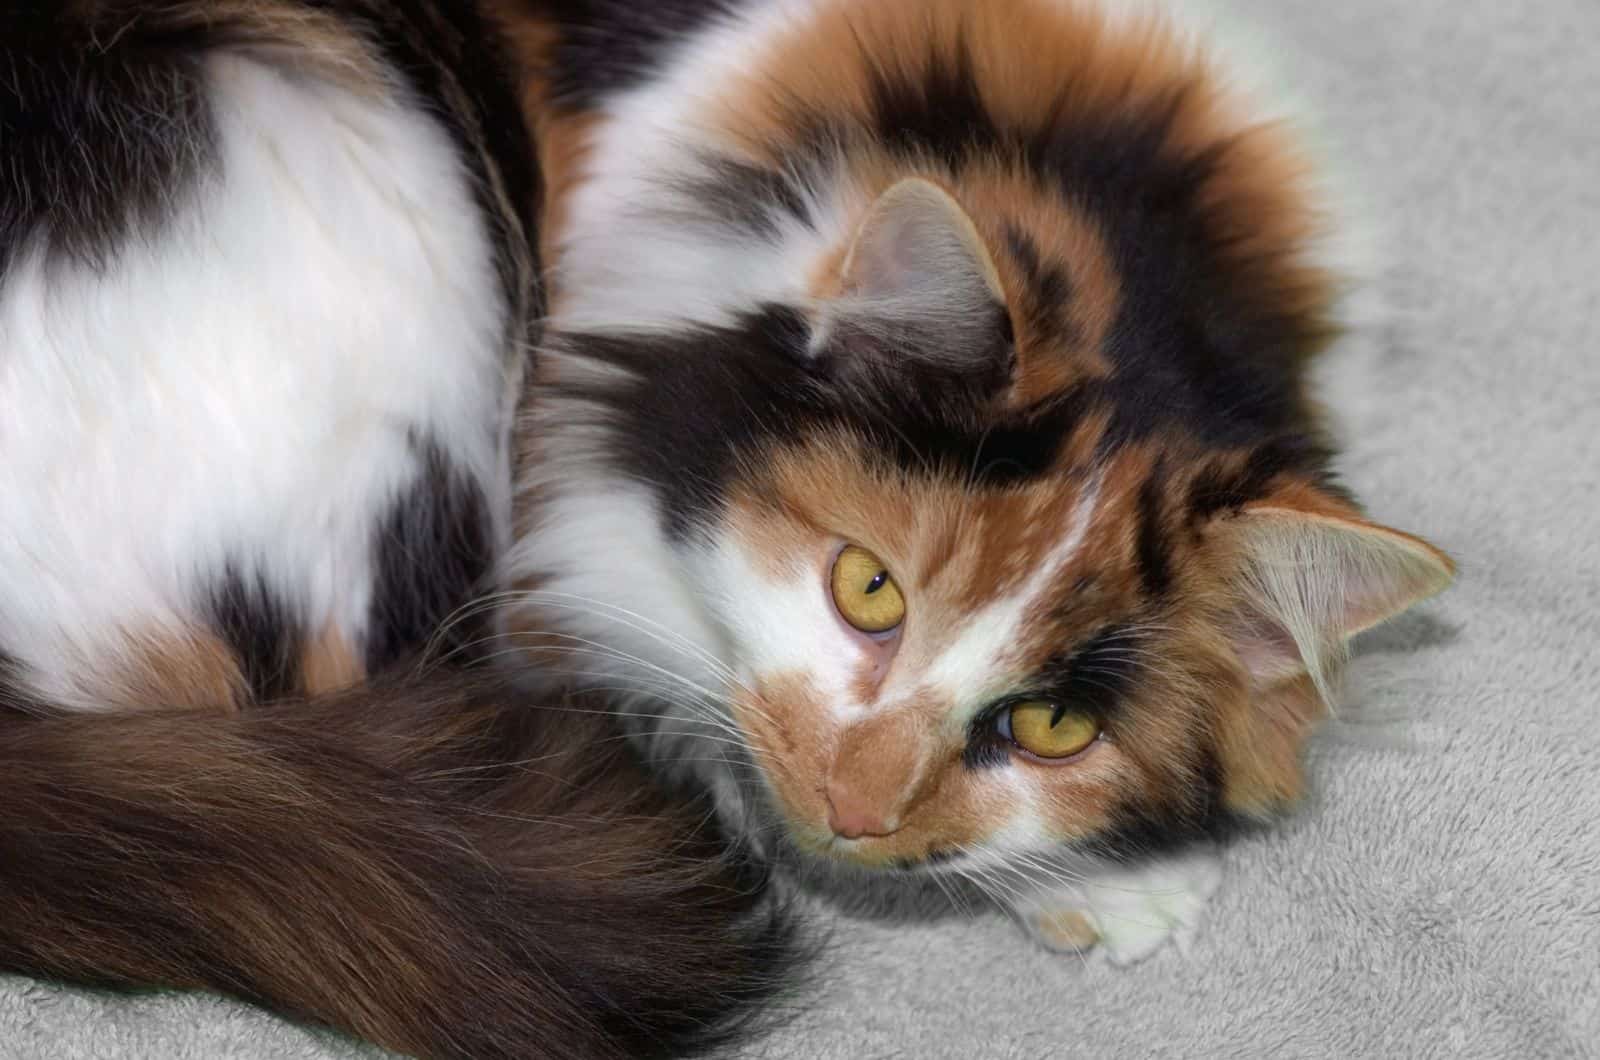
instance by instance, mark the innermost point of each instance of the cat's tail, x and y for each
(441, 867)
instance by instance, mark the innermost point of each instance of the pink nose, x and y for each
(849, 816)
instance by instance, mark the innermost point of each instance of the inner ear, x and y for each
(918, 282)
(916, 242)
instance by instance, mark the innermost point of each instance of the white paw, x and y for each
(1129, 913)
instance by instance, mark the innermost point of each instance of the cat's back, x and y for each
(260, 305)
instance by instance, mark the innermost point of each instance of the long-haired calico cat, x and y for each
(266, 277)
(917, 455)
(921, 433)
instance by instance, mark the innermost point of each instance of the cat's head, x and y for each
(976, 604)
(955, 405)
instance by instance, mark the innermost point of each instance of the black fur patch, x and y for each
(941, 114)
(1213, 492)
(747, 198)
(1155, 567)
(431, 555)
(609, 46)
(266, 640)
(700, 403)
(1098, 675)
(1143, 830)
(102, 136)
(1049, 292)
(985, 748)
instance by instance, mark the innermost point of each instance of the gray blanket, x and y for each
(1440, 893)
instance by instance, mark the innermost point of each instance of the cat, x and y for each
(921, 438)
(268, 279)
(918, 458)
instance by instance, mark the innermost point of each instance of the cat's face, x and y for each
(930, 668)
(934, 668)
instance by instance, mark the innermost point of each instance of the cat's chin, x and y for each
(867, 857)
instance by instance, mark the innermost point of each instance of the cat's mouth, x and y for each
(902, 851)
(879, 854)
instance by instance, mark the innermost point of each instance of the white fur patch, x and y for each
(1131, 912)
(238, 387)
(786, 625)
(629, 257)
(974, 669)
(614, 588)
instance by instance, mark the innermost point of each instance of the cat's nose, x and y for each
(876, 774)
(852, 817)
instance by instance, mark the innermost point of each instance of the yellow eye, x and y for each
(1047, 729)
(864, 592)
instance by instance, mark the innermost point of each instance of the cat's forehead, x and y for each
(1001, 580)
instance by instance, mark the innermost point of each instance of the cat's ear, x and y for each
(1309, 579)
(1304, 579)
(917, 244)
(917, 281)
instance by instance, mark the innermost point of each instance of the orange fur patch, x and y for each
(329, 663)
(880, 758)
(1259, 735)
(162, 669)
(563, 142)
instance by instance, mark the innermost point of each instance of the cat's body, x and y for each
(918, 454)
(264, 317)
(266, 291)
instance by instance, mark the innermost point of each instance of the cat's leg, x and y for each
(1128, 911)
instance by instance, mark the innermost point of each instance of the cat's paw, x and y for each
(1129, 913)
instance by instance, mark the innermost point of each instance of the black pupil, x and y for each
(876, 583)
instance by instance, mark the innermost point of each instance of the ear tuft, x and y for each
(1309, 581)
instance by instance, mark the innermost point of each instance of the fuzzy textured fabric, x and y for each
(1439, 895)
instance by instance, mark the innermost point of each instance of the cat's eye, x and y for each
(1048, 730)
(865, 592)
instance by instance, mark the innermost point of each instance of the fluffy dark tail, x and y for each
(443, 868)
